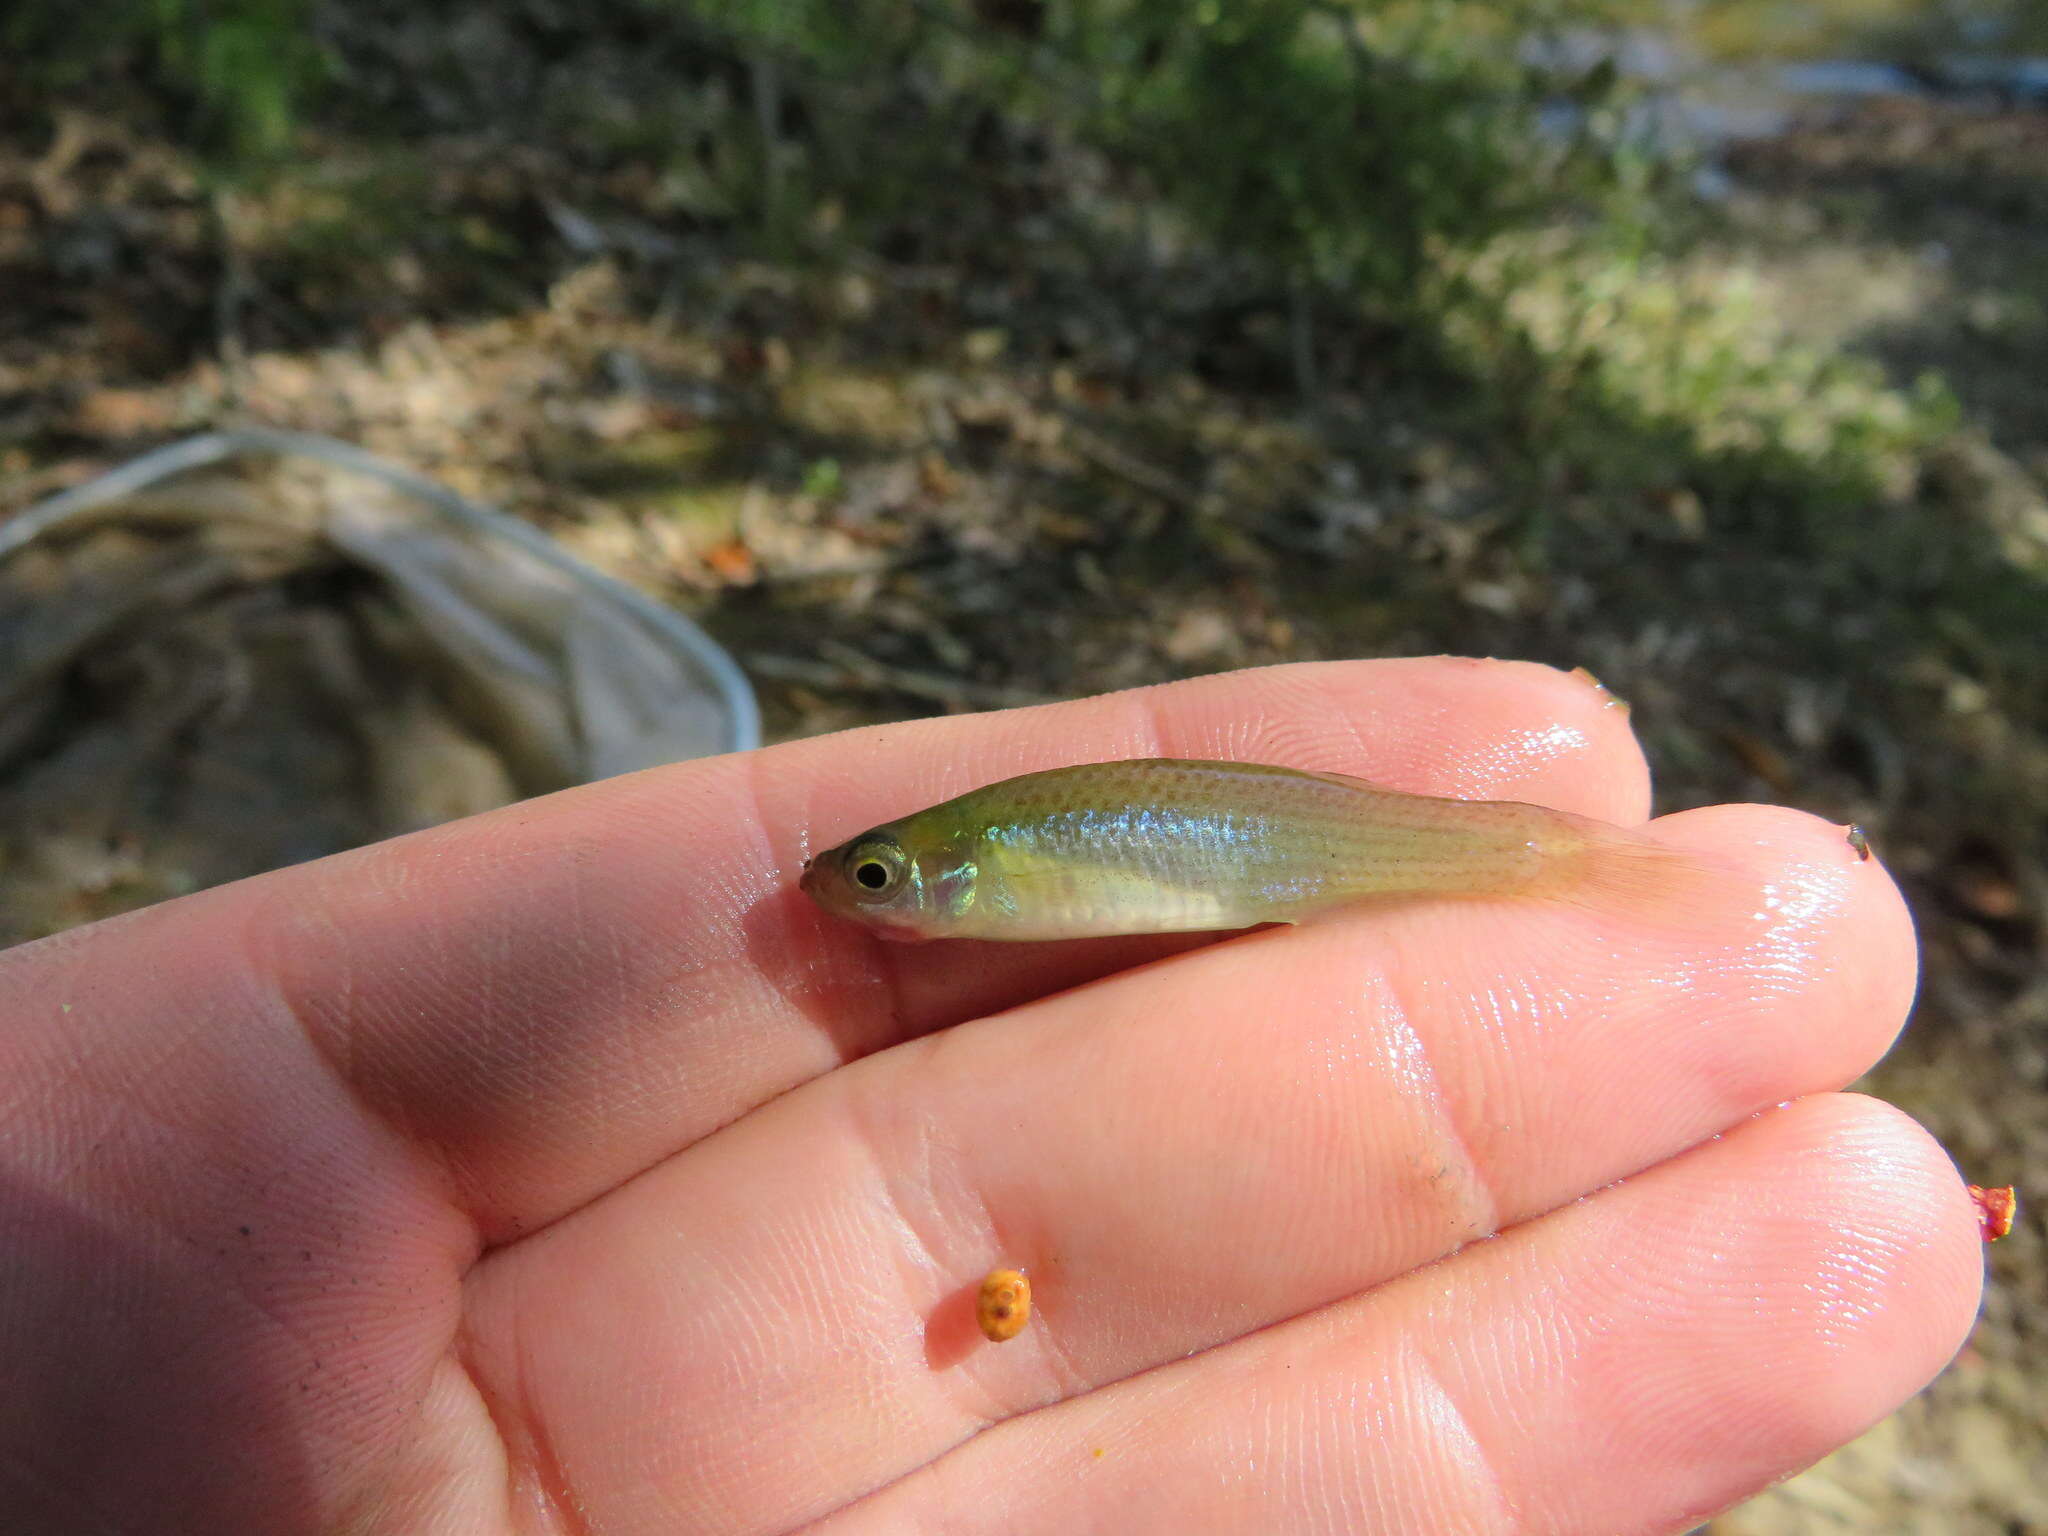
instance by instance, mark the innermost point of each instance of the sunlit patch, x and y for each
(1796, 915)
(1512, 756)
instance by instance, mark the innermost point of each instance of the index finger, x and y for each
(562, 993)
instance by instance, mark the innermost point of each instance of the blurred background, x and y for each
(938, 355)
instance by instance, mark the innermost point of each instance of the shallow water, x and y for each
(1713, 74)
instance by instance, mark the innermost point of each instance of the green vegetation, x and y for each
(237, 70)
(1355, 177)
(1352, 146)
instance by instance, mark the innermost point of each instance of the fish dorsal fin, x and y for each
(1348, 781)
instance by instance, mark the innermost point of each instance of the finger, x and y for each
(1178, 1156)
(557, 995)
(1631, 1363)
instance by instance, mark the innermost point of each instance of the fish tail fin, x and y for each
(1626, 873)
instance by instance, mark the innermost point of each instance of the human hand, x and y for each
(565, 1170)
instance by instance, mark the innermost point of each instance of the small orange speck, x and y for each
(1100, 1452)
(1004, 1305)
(1995, 1210)
(732, 563)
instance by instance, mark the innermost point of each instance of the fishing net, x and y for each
(253, 648)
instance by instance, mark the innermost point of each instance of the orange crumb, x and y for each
(1004, 1305)
(1995, 1210)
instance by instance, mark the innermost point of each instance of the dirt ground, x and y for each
(1016, 455)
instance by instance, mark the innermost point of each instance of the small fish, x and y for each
(1159, 845)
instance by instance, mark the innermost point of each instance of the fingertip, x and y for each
(1740, 1311)
(1900, 1185)
(1870, 1251)
(1824, 912)
(1582, 705)
(1737, 827)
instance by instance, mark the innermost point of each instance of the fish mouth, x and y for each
(816, 878)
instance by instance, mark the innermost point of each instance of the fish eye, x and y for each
(876, 869)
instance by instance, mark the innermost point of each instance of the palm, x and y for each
(565, 1170)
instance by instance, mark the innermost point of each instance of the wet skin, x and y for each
(568, 1169)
